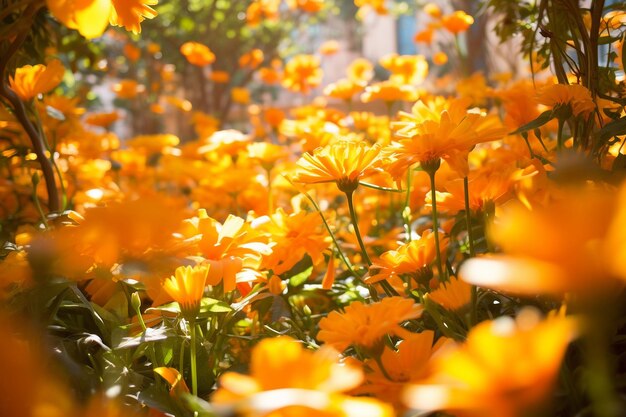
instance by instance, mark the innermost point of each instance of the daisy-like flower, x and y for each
(302, 74)
(31, 80)
(343, 162)
(453, 295)
(365, 325)
(197, 54)
(504, 369)
(287, 380)
(186, 287)
(443, 129)
(414, 258)
(576, 96)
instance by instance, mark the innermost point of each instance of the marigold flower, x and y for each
(130, 13)
(441, 129)
(576, 96)
(343, 162)
(409, 363)
(457, 22)
(330, 47)
(186, 287)
(252, 59)
(31, 80)
(389, 92)
(440, 58)
(343, 89)
(361, 71)
(365, 325)
(282, 363)
(308, 6)
(197, 54)
(259, 10)
(90, 17)
(220, 77)
(505, 367)
(432, 10)
(405, 69)
(102, 119)
(582, 260)
(452, 295)
(425, 36)
(240, 95)
(127, 89)
(267, 154)
(302, 73)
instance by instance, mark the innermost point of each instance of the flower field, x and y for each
(298, 208)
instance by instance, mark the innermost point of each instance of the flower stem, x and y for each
(472, 251)
(389, 290)
(406, 212)
(194, 365)
(433, 195)
(355, 224)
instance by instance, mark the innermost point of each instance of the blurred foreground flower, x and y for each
(506, 368)
(288, 380)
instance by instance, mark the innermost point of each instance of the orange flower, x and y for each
(89, 17)
(425, 36)
(389, 92)
(240, 95)
(414, 259)
(102, 119)
(361, 71)
(366, 325)
(409, 363)
(302, 73)
(30, 81)
(186, 287)
(582, 260)
(457, 22)
(330, 47)
(132, 52)
(127, 89)
(174, 378)
(343, 89)
(259, 10)
(306, 384)
(504, 369)
(269, 75)
(267, 154)
(440, 129)
(220, 77)
(440, 58)
(432, 10)
(130, 13)
(308, 6)
(252, 59)
(343, 162)
(197, 54)
(576, 97)
(452, 295)
(274, 116)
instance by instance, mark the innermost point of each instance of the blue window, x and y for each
(405, 32)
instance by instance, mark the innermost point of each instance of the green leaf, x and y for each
(150, 335)
(301, 278)
(541, 120)
(211, 305)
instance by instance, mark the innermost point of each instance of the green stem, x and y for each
(406, 212)
(194, 366)
(472, 252)
(355, 224)
(433, 196)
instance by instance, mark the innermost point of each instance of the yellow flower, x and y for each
(389, 92)
(302, 73)
(30, 81)
(365, 325)
(343, 89)
(360, 71)
(252, 59)
(130, 13)
(504, 369)
(440, 58)
(405, 69)
(197, 54)
(343, 162)
(89, 17)
(186, 287)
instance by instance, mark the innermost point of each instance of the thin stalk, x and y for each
(379, 362)
(355, 224)
(194, 365)
(406, 212)
(470, 238)
(389, 290)
(433, 196)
